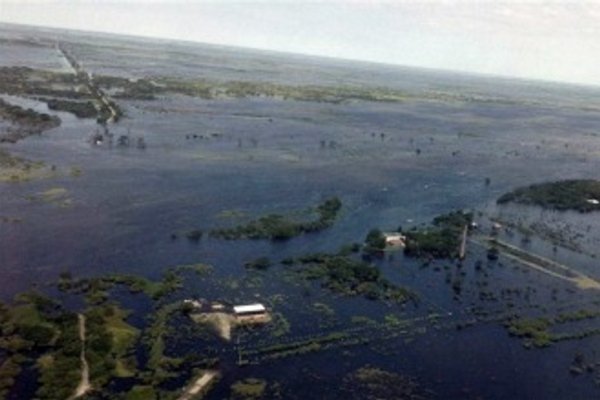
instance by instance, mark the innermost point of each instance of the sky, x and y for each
(557, 41)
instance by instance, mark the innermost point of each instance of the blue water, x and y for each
(268, 158)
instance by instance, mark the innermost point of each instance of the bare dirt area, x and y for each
(223, 323)
(199, 385)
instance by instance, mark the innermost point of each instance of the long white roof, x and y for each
(249, 308)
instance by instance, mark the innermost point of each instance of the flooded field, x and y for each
(396, 146)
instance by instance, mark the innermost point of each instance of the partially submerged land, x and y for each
(17, 169)
(25, 122)
(39, 333)
(344, 274)
(335, 297)
(579, 195)
(81, 353)
(277, 226)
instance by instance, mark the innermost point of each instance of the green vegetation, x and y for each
(110, 321)
(442, 240)
(324, 309)
(280, 325)
(369, 383)
(238, 89)
(75, 172)
(432, 243)
(201, 270)
(536, 331)
(260, 263)
(96, 289)
(36, 332)
(28, 81)
(194, 235)
(160, 367)
(348, 276)
(170, 283)
(15, 169)
(58, 86)
(279, 227)
(108, 337)
(454, 220)
(299, 347)
(374, 242)
(80, 109)
(60, 369)
(139, 89)
(576, 195)
(9, 370)
(38, 327)
(27, 122)
(57, 196)
(28, 116)
(141, 392)
(248, 389)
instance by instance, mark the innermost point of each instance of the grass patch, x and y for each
(249, 388)
(141, 392)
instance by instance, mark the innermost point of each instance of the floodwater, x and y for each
(391, 164)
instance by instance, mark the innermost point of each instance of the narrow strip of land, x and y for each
(542, 264)
(84, 384)
(463, 243)
(86, 78)
(202, 382)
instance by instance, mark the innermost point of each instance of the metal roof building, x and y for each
(249, 309)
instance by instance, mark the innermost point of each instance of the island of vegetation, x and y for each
(442, 240)
(579, 195)
(281, 227)
(25, 122)
(536, 332)
(17, 169)
(341, 273)
(374, 383)
(80, 109)
(375, 242)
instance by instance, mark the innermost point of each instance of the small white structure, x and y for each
(395, 239)
(593, 201)
(194, 303)
(249, 309)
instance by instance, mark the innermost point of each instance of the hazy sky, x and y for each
(554, 41)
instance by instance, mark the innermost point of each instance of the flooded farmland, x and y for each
(123, 220)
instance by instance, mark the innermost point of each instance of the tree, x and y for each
(375, 241)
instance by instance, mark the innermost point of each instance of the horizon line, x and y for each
(475, 74)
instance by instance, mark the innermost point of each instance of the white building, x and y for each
(249, 309)
(395, 239)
